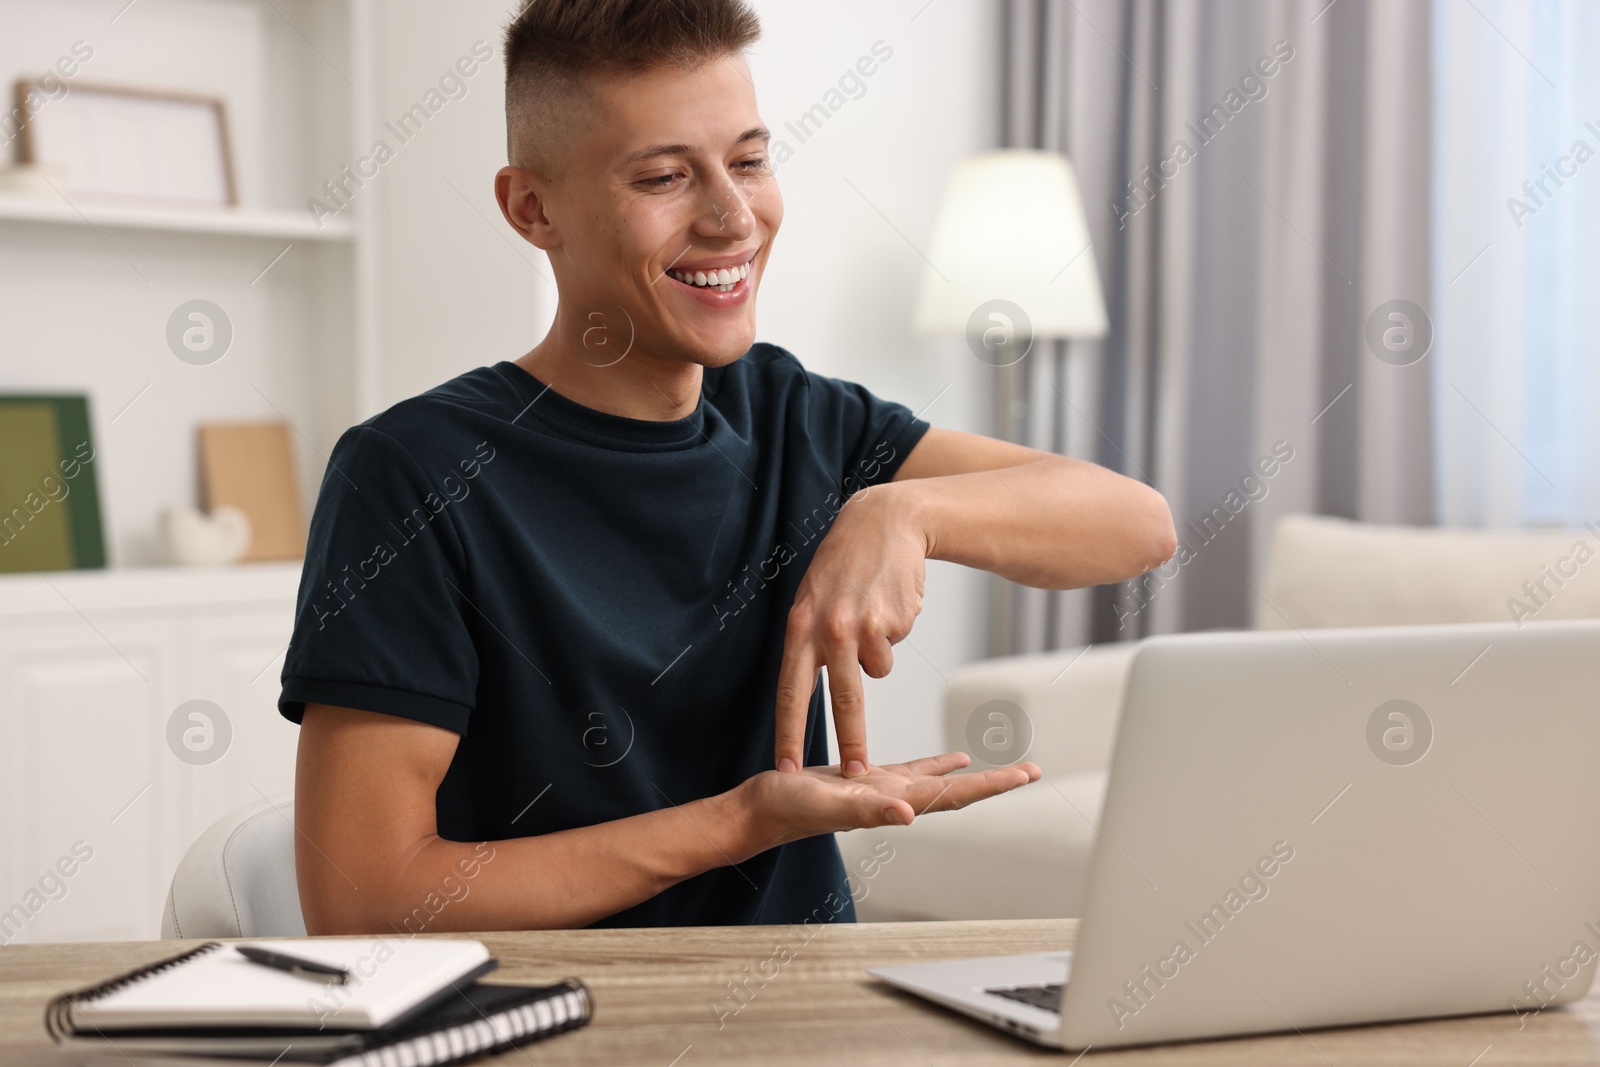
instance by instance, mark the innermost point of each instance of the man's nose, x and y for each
(727, 213)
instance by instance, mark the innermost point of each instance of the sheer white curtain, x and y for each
(1516, 266)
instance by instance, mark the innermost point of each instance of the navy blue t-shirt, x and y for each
(596, 604)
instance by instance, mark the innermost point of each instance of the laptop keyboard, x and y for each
(1046, 997)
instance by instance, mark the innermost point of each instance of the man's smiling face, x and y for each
(668, 180)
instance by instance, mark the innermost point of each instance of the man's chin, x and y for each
(722, 359)
(712, 354)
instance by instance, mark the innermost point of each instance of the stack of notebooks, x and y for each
(344, 1002)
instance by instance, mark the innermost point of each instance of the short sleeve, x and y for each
(873, 435)
(379, 620)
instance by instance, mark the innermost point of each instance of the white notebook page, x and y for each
(388, 977)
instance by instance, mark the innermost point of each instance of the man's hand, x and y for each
(1038, 519)
(859, 597)
(819, 800)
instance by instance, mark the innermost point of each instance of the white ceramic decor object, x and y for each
(197, 539)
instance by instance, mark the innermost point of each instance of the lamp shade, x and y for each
(1012, 228)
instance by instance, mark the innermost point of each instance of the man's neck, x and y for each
(636, 386)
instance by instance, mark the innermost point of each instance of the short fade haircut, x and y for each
(554, 47)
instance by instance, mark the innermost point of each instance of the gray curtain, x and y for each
(1256, 176)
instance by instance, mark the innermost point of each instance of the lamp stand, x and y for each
(1011, 424)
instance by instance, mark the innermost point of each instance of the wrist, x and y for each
(909, 508)
(749, 829)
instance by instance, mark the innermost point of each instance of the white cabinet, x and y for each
(235, 663)
(99, 793)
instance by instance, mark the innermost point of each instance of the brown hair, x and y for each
(553, 46)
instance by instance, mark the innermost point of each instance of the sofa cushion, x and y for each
(1334, 572)
(1022, 855)
(1070, 701)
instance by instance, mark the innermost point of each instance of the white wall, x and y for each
(462, 290)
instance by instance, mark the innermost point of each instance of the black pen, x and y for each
(320, 972)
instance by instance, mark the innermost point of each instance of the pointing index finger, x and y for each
(797, 678)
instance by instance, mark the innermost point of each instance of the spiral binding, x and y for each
(568, 1009)
(58, 1013)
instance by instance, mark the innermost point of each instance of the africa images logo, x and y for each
(1399, 732)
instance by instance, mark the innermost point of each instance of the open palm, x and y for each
(822, 800)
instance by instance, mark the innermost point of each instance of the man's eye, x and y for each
(660, 182)
(753, 166)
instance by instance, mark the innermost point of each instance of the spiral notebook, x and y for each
(216, 985)
(196, 1004)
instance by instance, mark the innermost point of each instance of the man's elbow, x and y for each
(330, 911)
(349, 896)
(1152, 538)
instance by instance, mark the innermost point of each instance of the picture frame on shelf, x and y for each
(133, 145)
(250, 466)
(49, 494)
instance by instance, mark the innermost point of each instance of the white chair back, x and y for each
(238, 879)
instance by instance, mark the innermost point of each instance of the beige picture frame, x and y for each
(131, 145)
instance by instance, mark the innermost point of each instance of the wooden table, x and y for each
(658, 993)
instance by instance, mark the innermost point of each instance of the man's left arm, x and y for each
(1038, 519)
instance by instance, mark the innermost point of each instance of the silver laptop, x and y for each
(1324, 828)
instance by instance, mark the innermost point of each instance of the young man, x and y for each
(562, 618)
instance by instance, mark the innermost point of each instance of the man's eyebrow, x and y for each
(755, 133)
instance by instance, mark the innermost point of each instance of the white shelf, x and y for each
(220, 222)
(24, 597)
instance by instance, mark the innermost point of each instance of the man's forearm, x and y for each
(565, 879)
(1057, 523)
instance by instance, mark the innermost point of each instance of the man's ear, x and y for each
(522, 204)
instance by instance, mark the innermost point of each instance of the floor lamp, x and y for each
(1011, 266)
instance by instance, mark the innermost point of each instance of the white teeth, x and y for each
(723, 279)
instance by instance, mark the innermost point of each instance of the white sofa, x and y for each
(1024, 855)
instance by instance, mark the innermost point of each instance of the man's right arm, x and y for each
(368, 854)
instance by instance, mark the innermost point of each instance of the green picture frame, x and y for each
(49, 492)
